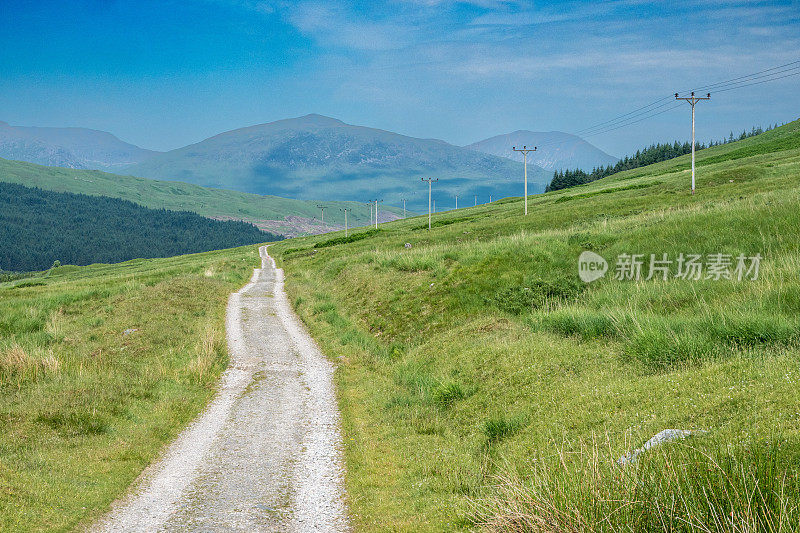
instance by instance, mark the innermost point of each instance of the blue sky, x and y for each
(164, 74)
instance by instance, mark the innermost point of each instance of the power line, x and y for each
(633, 122)
(745, 79)
(757, 82)
(613, 123)
(621, 122)
(646, 111)
(709, 87)
(611, 127)
(625, 115)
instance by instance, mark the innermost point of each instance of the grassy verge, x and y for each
(477, 373)
(100, 366)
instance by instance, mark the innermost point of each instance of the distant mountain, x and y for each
(324, 158)
(556, 150)
(68, 147)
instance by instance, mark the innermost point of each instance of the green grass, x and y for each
(477, 374)
(178, 196)
(85, 407)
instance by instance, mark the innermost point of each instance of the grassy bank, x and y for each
(100, 366)
(484, 385)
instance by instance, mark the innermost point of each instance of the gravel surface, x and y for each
(265, 455)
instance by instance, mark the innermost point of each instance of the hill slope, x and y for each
(316, 156)
(68, 147)
(482, 383)
(268, 212)
(556, 150)
(39, 227)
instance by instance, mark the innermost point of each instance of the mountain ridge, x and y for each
(70, 147)
(319, 156)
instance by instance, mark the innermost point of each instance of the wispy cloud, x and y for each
(335, 26)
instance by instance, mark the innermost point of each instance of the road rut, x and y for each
(265, 455)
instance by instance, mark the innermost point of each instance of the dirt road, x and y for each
(265, 454)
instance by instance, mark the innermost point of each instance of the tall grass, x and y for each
(695, 487)
(18, 364)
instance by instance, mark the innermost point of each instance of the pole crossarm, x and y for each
(693, 99)
(525, 151)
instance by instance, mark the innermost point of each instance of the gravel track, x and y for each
(265, 455)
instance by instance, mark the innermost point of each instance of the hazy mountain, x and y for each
(321, 157)
(556, 150)
(68, 147)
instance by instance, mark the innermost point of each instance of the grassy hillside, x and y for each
(178, 196)
(100, 366)
(39, 227)
(483, 384)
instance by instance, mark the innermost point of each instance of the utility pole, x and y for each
(322, 208)
(345, 209)
(430, 181)
(404, 208)
(525, 151)
(376, 212)
(692, 101)
(456, 201)
(476, 200)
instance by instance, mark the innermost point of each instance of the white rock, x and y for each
(661, 437)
